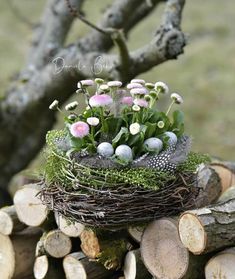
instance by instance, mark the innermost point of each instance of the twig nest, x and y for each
(124, 153)
(172, 138)
(105, 149)
(153, 145)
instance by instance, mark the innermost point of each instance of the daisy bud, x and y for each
(71, 106)
(72, 116)
(149, 85)
(99, 80)
(161, 87)
(160, 124)
(177, 98)
(79, 91)
(54, 105)
(138, 91)
(153, 94)
(136, 108)
(147, 98)
(134, 128)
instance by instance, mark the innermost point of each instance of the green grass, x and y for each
(204, 75)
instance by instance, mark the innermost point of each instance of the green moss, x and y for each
(193, 161)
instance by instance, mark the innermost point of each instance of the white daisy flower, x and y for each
(177, 98)
(93, 121)
(54, 105)
(161, 87)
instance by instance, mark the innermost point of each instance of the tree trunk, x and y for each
(222, 265)
(208, 229)
(76, 265)
(106, 247)
(134, 267)
(9, 221)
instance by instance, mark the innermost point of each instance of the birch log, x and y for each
(208, 229)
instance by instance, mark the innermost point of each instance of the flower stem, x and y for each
(169, 109)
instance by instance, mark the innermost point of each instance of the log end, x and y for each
(192, 233)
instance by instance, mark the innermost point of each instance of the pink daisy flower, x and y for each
(134, 85)
(141, 103)
(100, 100)
(127, 101)
(79, 129)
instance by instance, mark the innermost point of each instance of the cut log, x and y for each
(107, 248)
(209, 185)
(9, 221)
(7, 258)
(55, 244)
(71, 229)
(208, 229)
(29, 207)
(222, 265)
(48, 268)
(77, 265)
(136, 232)
(134, 268)
(162, 252)
(164, 255)
(226, 172)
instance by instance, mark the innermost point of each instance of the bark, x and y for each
(208, 229)
(221, 265)
(25, 106)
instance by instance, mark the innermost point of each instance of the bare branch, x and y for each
(52, 32)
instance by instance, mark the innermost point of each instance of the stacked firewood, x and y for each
(35, 243)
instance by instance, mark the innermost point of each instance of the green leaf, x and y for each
(150, 129)
(178, 123)
(122, 135)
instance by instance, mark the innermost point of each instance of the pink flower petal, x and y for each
(100, 100)
(79, 129)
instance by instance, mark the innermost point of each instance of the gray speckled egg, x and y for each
(105, 149)
(124, 152)
(172, 138)
(153, 145)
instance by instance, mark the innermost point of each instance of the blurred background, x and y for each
(204, 74)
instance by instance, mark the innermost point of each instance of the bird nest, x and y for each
(116, 197)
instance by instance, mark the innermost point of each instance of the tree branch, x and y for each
(51, 32)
